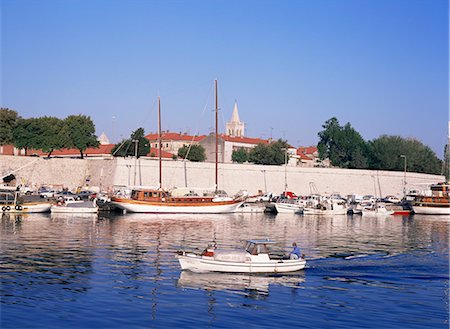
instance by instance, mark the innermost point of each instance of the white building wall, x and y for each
(105, 173)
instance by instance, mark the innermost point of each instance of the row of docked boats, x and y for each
(11, 202)
(435, 201)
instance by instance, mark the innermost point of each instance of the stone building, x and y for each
(172, 142)
(226, 145)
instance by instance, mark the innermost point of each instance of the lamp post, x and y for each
(136, 142)
(285, 169)
(404, 175)
(265, 185)
(129, 168)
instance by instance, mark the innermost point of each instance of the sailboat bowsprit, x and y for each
(162, 201)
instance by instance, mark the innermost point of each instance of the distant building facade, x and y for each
(226, 145)
(172, 142)
(308, 156)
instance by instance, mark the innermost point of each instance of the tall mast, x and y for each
(159, 142)
(217, 134)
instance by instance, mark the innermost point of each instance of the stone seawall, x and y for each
(59, 172)
(105, 173)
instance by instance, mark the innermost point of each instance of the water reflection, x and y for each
(248, 284)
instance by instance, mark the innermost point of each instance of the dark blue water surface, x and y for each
(120, 271)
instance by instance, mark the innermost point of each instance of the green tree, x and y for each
(385, 154)
(240, 155)
(344, 146)
(196, 153)
(79, 133)
(128, 147)
(269, 154)
(51, 134)
(8, 119)
(26, 134)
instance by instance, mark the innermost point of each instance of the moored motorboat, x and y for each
(377, 209)
(290, 206)
(248, 208)
(75, 206)
(255, 258)
(436, 201)
(327, 207)
(11, 202)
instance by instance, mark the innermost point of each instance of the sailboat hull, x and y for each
(177, 208)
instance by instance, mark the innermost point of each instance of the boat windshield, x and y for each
(256, 248)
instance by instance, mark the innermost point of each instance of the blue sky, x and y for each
(290, 65)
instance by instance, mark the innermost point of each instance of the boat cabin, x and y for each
(256, 247)
(164, 196)
(8, 197)
(440, 190)
(148, 195)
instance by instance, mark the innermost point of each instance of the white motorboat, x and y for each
(289, 206)
(12, 203)
(328, 207)
(75, 206)
(249, 208)
(25, 208)
(377, 209)
(254, 258)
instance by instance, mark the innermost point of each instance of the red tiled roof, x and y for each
(169, 136)
(306, 150)
(102, 149)
(155, 153)
(246, 140)
(304, 157)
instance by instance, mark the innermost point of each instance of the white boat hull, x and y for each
(250, 209)
(26, 208)
(197, 263)
(377, 213)
(431, 210)
(73, 210)
(286, 208)
(313, 211)
(194, 209)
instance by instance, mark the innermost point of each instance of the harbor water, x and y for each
(120, 271)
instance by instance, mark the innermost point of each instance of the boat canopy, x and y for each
(256, 247)
(262, 241)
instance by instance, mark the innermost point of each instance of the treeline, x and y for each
(342, 145)
(47, 133)
(274, 153)
(345, 148)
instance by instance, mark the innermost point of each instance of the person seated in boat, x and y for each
(295, 253)
(209, 251)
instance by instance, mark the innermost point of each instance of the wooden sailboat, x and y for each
(162, 201)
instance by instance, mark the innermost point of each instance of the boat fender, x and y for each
(8, 208)
(18, 207)
(3, 208)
